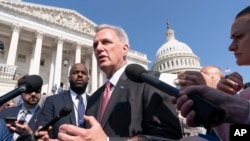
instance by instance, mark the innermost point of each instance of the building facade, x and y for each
(45, 40)
(175, 56)
(172, 57)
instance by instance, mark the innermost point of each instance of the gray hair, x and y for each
(122, 35)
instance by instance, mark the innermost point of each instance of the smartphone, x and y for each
(11, 120)
(21, 121)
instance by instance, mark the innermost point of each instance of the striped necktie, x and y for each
(24, 114)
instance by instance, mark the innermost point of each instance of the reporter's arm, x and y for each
(237, 109)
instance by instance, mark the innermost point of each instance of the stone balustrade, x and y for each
(7, 72)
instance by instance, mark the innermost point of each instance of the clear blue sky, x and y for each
(202, 25)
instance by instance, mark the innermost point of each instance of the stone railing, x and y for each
(137, 54)
(7, 71)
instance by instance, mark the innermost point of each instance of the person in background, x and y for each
(54, 89)
(43, 98)
(209, 75)
(126, 108)
(78, 79)
(60, 89)
(27, 112)
(232, 84)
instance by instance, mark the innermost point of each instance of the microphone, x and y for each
(207, 113)
(30, 83)
(63, 112)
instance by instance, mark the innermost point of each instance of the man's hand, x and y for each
(236, 108)
(21, 129)
(43, 135)
(68, 132)
(187, 78)
(231, 83)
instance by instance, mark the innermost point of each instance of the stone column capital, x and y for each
(39, 34)
(16, 27)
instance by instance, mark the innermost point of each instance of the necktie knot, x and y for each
(107, 89)
(80, 98)
(108, 84)
(24, 114)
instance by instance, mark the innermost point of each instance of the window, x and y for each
(42, 62)
(21, 58)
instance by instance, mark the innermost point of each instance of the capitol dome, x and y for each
(175, 56)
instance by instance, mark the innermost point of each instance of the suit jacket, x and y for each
(5, 135)
(134, 109)
(51, 109)
(13, 112)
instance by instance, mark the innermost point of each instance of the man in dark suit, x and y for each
(78, 79)
(27, 112)
(133, 108)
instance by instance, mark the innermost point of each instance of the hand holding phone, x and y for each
(21, 122)
(11, 120)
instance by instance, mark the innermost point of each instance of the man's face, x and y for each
(240, 34)
(110, 52)
(31, 98)
(78, 78)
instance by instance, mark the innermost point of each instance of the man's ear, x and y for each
(125, 48)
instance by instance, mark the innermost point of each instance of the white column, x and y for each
(87, 62)
(58, 62)
(78, 53)
(101, 79)
(94, 73)
(37, 51)
(52, 70)
(13, 45)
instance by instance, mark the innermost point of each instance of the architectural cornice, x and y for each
(62, 17)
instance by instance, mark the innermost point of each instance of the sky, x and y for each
(203, 25)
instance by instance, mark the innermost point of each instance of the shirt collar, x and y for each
(32, 110)
(115, 77)
(75, 94)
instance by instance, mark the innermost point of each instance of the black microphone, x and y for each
(207, 113)
(63, 112)
(29, 84)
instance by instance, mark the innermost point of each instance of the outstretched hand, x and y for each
(43, 135)
(68, 132)
(217, 97)
(231, 83)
